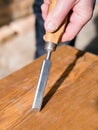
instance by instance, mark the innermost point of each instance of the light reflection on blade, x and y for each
(41, 85)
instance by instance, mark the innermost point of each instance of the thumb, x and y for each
(58, 14)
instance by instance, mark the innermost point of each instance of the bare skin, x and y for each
(82, 11)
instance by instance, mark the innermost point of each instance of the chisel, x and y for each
(52, 39)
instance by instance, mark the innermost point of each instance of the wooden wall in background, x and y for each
(13, 9)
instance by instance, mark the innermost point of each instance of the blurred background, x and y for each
(17, 35)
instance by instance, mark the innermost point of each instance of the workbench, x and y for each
(70, 100)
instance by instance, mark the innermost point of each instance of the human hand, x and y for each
(82, 11)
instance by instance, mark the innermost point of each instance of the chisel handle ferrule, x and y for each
(50, 46)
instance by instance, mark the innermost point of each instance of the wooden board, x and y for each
(71, 96)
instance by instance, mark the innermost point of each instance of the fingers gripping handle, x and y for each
(55, 37)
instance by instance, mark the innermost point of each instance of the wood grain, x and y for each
(71, 96)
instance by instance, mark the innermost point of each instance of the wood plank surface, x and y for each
(71, 96)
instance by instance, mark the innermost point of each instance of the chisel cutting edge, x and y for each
(52, 39)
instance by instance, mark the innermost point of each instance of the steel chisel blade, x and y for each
(45, 69)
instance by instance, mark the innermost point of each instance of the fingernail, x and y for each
(51, 27)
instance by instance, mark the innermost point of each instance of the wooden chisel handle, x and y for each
(55, 37)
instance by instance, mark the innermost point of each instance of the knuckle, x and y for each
(42, 6)
(89, 16)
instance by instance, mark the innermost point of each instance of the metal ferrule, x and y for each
(50, 46)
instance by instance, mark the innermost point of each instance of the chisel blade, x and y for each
(45, 69)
